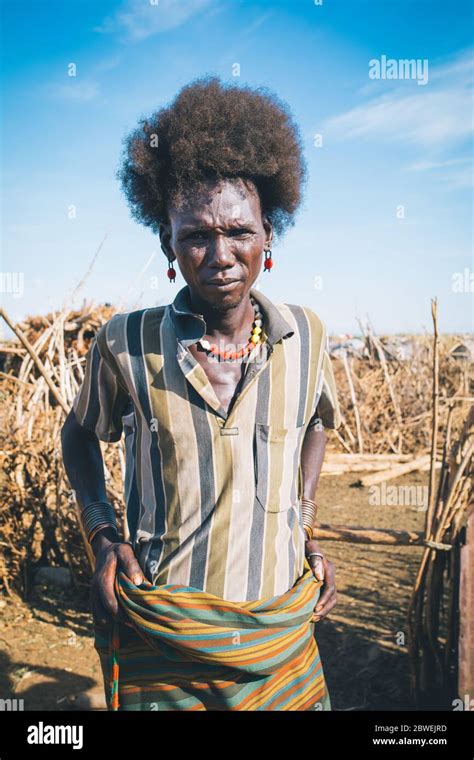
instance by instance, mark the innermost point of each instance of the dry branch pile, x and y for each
(434, 614)
(386, 403)
(385, 406)
(38, 519)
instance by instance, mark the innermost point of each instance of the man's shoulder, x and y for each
(122, 318)
(127, 324)
(305, 314)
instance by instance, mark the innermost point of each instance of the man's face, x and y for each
(218, 238)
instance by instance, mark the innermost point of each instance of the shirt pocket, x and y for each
(277, 456)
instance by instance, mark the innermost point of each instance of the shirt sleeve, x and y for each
(328, 413)
(102, 398)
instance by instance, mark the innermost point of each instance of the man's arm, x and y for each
(312, 457)
(311, 460)
(84, 467)
(83, 461)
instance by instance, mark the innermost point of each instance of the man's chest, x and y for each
(197, 445)
(182, 397)
(226, 378)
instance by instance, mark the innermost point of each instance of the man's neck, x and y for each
(226, 323)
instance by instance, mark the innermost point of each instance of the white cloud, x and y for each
(139, 19)
(74, 90)
(262, 19)
(422, 166)
(107, 64)
(435, 115)
(455, 173)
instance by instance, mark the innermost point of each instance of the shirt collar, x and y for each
(190, 326)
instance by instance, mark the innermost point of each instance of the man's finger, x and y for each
(99, 615)
(317, 566)
(108, 599)
(329, 587)
(329, 590)
(318, 614)
(129, 564)
(105, 583)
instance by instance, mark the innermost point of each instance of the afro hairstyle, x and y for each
(213, 131)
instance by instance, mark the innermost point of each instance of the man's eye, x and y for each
(198, 235)
(239, 233)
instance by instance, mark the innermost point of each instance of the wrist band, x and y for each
(94, 532)
(309, 510)
(95, 514)
(98, 514)
(309, 532)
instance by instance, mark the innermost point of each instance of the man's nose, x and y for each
(220, 252)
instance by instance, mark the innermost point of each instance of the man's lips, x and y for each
(222, 283)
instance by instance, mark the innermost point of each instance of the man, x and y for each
(225, 397)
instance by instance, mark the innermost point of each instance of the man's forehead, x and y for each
(233, 213)
(234, 199)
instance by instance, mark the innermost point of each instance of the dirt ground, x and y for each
(46, 646)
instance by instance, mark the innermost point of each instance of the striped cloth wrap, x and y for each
(179, 648)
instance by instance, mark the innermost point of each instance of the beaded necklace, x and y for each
(256, 336)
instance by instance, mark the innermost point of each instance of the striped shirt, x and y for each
(212, 498)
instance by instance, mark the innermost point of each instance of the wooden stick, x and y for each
(386, 458)
(383, 362)
(36, 360)
(368, 535)
(7, 350)
(434, 422)
(395, 472)
(16, 379)
(354, 400)
(466, 604)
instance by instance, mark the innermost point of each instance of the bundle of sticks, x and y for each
(38, 513)
(385, 404)
(435, 612)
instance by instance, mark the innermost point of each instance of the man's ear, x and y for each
(165, 240)
(268, 227)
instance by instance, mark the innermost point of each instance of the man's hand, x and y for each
(324, 570)
(111, 556)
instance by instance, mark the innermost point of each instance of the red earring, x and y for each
(268, 263)
(171, 271)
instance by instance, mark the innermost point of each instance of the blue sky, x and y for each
(386, 220)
